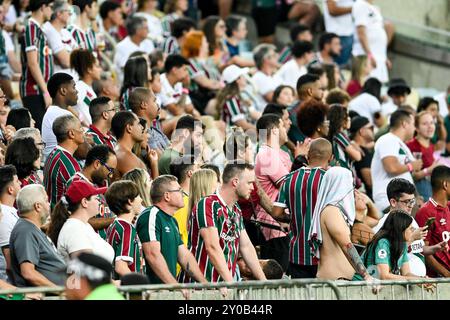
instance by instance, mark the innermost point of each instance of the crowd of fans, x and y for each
(140, 146)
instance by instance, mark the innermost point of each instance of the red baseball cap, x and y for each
(81, 189)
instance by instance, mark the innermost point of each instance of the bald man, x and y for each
(301, 203)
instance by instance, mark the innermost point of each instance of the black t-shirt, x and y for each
(365, 162)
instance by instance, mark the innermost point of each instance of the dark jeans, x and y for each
(304, 272)
(277, 249)
(36, 106)
(346, 51)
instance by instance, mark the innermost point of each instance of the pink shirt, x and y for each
(271, 167)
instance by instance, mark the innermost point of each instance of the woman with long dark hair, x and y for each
(385, 256)
(368, 103)
(26, 157)
(20, 118)
(137, 73)
(344, 151)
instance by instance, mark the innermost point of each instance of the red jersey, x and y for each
(427, 153)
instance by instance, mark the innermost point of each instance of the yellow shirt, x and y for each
(181, 216)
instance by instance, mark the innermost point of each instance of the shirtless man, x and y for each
(330, 229)
(129, 131)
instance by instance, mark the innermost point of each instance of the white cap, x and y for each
(232, 73)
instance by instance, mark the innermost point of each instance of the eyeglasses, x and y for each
(409, 202)
(176, 190)
(110, 170)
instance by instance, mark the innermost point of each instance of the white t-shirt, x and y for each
(155, 30)
(366, 105)
(58, 41)
(387, 145)
(9, 45)
(85, 95)
(7, 223)
(125, 48)
(388, 108)
(264, 84)
(75, 235)
(369, 16)
(290, 72)
(169, 94)
(48, 136)
(341, 25)
(415, 263)
(442, 99)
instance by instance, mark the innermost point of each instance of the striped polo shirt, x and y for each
(100, 138)
(166, 23)
(33, 178)
(340, 143)
(33, 38)
(233, 111)
(59, 168)
(212, 211)
(124, 99)
(299, 195)
(170, 46)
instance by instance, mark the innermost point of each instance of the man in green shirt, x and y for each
(160, 236)
(187, 138)
(91, 279)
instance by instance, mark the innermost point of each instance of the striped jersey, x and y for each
(85, 95)
(233, 111)
(299, 195)
(33, 178)
(122, 236)
(170, 46)
(340, 143)
(59, 168)
(212, 211)
(166, 23)
(100, 138)
(124, 99)
(285, 55)
(33, 38)
(2, 45)
(154, 224)
(84, 39)
(199, 68)
(103, 209)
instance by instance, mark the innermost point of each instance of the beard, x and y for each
(333, 54)
(98, 180)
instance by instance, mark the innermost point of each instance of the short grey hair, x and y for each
(62, 125)
(27, 133)
(133, 24)
(58, 6)
(28, 196)
(159, 187)
(260, 53)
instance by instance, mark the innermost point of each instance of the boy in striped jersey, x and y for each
(160, 236)
(180, 28)
(102, 110)
(216, 228)
(37, 61)
(61, 165)
(124, 200)
(299, 195)
(83, 28)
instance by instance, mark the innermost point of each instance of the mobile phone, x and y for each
(430, 222)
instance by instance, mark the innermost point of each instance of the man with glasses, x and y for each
(98, 169)
(59, 39)
(129, 131)
(160, 235)
(61, 165)
(61, 87)
(401, 194)
(102, 110)
(361, 133)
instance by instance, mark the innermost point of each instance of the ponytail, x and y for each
(62, 211)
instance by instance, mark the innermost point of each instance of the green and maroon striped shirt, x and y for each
(233, 111)
(59, 168)
(340, 143)
(85, 40)
(212, 211)
(33, 38)
(299, 195)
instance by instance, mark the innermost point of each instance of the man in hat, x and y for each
(398, 91)
(361, 132)
(91, 279)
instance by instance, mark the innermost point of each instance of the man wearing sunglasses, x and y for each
(99, 168)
